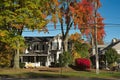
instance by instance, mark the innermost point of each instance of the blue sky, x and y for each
(110, 11)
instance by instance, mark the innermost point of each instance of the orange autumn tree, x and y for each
(79, 14)
(92, 25)
(86, 23)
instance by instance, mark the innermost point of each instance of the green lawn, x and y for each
(46, 72)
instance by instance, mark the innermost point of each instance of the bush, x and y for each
(65, 59)
(22, 65)
(83, 63)
(111, 56)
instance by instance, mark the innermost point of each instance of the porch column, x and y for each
(21, 59)
(35, 59)
(47, 62)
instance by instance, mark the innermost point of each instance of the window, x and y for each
(54, 45)
(36, 46)
(28, 59)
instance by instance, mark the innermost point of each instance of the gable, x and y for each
(117, 46)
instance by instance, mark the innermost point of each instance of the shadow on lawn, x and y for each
(40, 76)
(51, 74)
(44, 75)
(33, 75)
(77, 68)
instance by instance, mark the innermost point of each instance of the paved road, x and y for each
(56, 79)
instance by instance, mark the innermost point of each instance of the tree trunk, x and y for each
(65, 45)
(16, 57)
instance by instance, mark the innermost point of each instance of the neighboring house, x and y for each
(41, 51)
(100, 54)
(100, 48)
(114, 44)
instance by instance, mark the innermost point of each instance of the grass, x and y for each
(56, 72)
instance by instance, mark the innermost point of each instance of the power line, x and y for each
(83, 24)
(106, 25)
(112, 24)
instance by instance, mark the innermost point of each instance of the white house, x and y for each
(41, 51)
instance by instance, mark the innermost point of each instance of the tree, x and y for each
(92, 26)
(12, 44)
(17, 15)
(75, 38)
(79, 13)
(111, 55)
(5, 55)
(86, 23)
(65, 59)
(80, 48)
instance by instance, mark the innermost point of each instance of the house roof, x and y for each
(111, 45)
(40, 39)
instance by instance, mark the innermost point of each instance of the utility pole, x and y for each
(95, 41)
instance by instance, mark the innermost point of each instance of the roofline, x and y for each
(111, 45)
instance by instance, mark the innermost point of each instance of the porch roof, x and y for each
(33, 54)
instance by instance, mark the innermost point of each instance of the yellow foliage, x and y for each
(2, 34)
(5, 59)
(75, 55)
(18, 26)
(75, 37)
(56, 2)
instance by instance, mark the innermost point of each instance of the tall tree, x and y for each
(79, 14)
(86, 22)
(17, 15)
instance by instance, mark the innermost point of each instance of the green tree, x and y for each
(111, 55)
(65, 59)
(5, 55)
(17, 15)
(12, 44)
(82, 49)
(79, 46)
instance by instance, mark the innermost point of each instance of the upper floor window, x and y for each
(39, 46)
(54, 45)
(36, 46)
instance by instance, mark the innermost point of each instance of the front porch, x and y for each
(34, 60)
